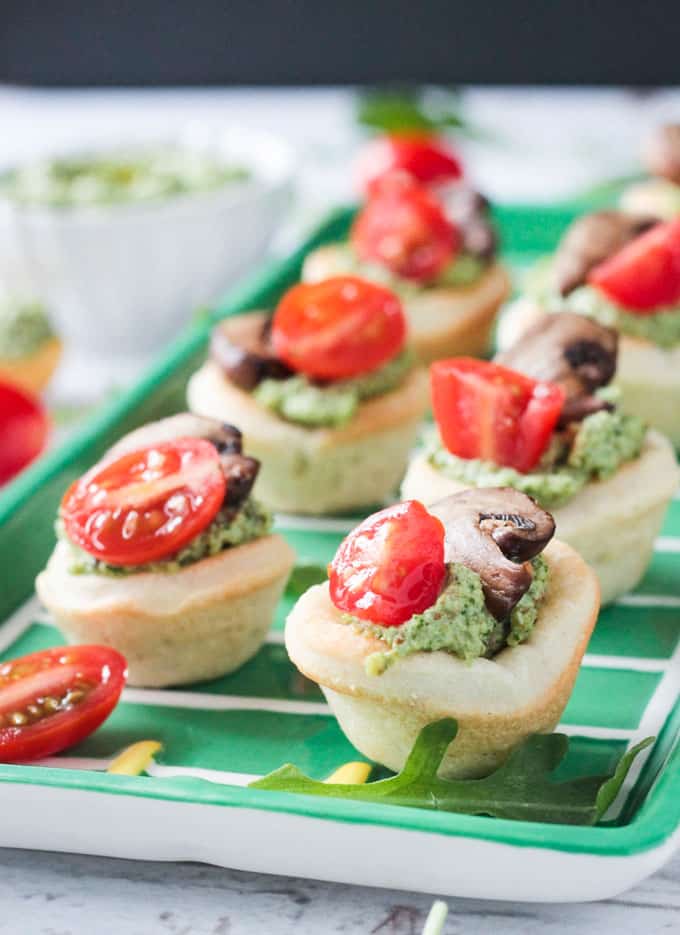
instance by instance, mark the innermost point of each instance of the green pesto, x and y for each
(661, 328)
(464, 270)
(119, 176)
(251, 522)
(604, 441)
(24, 327)
(313, 405)
(458, 622)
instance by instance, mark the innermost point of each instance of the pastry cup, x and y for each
(657, 198)
(32, 372)
(497, 702)
(173, 628)
(443, 322)
(647, 375)
(611, 523)
(320, 470)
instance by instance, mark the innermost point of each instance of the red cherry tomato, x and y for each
(645, 274)
(427, 159)
(338, 328)
(53, 699)
(23, 430)
(391, 566)
(403, 227)
(489, 412)
(147, 504)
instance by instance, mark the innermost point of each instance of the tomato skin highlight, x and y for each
(24, 428)
(101, 668)
(426, 158)
(487, 411)
(338, 328)
(391, 566)
(645, 274)
(403, 227)
(146, 504)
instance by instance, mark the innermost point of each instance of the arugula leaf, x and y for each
(610, 789)
(520, 789)
(304, 576)
(399, 110)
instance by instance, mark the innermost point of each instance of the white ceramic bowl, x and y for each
(124, 278)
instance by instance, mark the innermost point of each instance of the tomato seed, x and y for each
(17, 719)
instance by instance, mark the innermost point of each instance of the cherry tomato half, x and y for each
(403, 227)
(391, 566)
(645, 274)
(24, 428)
(427, 159)
(53, 699)
(489, 412)
(147, 504)
(338, 328)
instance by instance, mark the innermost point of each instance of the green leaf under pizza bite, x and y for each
(304, 576)
(523, 788)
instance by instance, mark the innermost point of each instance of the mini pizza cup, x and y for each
(497, 702)
(648, 376)
(33, 371)
(443, 321)
(174, 627)
(611, 523)
(320, 470)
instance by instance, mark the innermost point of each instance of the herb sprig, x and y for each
(522, 788)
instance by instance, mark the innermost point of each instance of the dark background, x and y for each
(165, 42)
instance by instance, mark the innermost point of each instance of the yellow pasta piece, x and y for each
(135, 758)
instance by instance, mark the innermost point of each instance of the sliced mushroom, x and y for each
(241, 347)
(580, 407)
(574, 351)
(241, 473)
(469, 210)
(662, 152)
(239, 470)
(590, 240)
(495, 531)
(226, 438)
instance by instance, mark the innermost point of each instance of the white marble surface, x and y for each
(549, 144)
(44, 894)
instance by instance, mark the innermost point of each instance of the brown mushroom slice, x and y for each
(590, 240)
(469, 211)
(239, 470)
(565, 348)
(240, 346)
(579, 408)
(662, 152)
(495, 531)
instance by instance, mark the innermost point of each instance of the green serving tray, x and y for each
(217, 736)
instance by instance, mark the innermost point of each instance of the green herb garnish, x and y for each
(521, 789)
(304, 576)
(408, 110)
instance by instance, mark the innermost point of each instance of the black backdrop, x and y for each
(138, 42)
